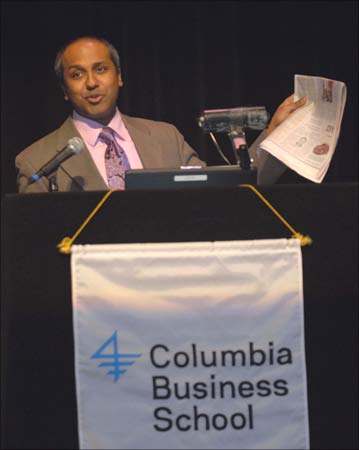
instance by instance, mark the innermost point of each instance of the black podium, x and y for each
(38, 398)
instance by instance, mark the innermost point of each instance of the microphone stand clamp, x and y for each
(53, 187)
(240, 147)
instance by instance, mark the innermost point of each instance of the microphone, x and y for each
(226, 120)
(74, 146)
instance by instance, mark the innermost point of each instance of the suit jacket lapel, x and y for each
(149, 149)
(81, 168)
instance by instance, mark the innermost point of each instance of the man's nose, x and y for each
(91, 81)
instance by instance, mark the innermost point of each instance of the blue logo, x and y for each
(114, 357)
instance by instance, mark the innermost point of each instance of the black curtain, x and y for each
(177, 59)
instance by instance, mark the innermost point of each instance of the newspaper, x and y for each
(306, 140)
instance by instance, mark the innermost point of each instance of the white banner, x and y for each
(190, 345)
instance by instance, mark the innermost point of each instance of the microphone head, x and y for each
(76, 144)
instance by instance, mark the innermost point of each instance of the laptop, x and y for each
(189, 177)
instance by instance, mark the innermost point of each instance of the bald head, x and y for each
(58, 66)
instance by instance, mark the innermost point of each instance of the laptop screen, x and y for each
(196, 177)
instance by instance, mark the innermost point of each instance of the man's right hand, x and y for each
(283, 111)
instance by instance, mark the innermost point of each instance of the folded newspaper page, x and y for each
(306, 140)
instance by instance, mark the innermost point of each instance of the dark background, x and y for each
(177, 59)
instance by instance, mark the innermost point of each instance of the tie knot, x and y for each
(107, 135)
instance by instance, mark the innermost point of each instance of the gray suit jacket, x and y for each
(159, 144)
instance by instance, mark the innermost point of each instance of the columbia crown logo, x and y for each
(108, 351)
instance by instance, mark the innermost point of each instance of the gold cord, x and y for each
(65, 245)
(304, 240)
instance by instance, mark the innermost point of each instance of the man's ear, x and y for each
(66, 97)
(120, 82)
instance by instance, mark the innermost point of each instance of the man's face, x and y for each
(91, 79)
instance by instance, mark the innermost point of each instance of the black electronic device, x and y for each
(194, 177)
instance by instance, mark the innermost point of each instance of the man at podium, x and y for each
(95, 146)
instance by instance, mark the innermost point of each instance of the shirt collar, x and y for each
(92, 129)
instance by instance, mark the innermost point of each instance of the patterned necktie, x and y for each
(116, 161)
